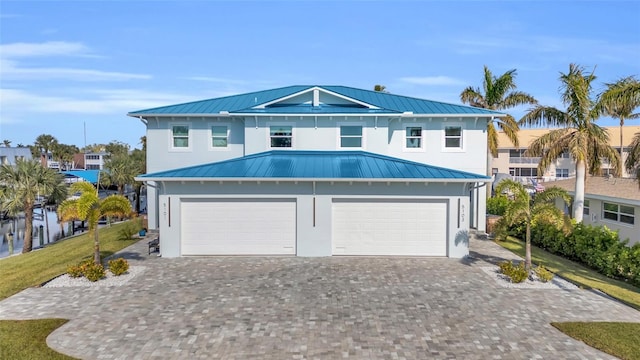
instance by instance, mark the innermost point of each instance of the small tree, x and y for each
(90, 208)
(522, 208)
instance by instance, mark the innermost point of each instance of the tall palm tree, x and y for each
(522, 208)
(120, 171)
(498, 93)
(22, 183)
(45, 143)
(578, 134)
(90, 208)
(6, 143)
(58, 195)
(633, 160)
(623, 108)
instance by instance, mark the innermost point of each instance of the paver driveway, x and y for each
(326, 308)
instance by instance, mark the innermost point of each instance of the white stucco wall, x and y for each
(314, 240)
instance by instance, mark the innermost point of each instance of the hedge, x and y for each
(596, 247)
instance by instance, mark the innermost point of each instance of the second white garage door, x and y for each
(238, 227)
(389, 227)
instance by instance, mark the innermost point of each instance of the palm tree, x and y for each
(380, 88)
(586, 142)
(633, 160)
(58, 195)
(45, 143)
(498, 93)
(120, 171)
(522, 208)
(23, 182)
(90, 208)
(6, 143)
(624, 107)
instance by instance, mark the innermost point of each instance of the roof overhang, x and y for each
(348, 180)
(252, 114)
(612, 199)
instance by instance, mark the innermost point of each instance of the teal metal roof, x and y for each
(246, 103)
(318, 165)
(88, 175)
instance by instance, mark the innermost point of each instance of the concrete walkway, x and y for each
(315, 308)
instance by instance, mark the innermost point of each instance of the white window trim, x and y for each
(561, 170)
(190, 138)
(293, 135)
(586, 207)
(618, 222)
(210, 136)
(463, 136)
(364, 136)
(422, 138)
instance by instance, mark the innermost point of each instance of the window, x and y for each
(413, 137)
(219, 136)
(494, 171)
(564, 155)
(281, 136)
(585, 207)
(526, 172)
(453, 137)
(180, 134)
(620, 213)
(562, 173)
(351, 136)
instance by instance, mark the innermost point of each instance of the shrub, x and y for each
(497, 205)
(517, 274)
(129, 230)
(75, 271)
(543, 273)
(94, 272)
(118, 266)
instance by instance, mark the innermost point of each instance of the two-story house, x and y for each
(9, 155)
(95, 161)
(316, 171)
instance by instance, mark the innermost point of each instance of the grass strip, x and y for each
(32, 269)
(27, 339)
(618, 339)
(576, 273)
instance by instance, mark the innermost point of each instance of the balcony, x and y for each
(524, 160)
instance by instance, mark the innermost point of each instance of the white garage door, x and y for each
(238, 227)
(389, 227)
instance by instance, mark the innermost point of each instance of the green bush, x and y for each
(497, 205)
(517, 274)
(75, 271)
(118, 266)
(596, 247)
(129, 230)
(543, 273)
(94, 272)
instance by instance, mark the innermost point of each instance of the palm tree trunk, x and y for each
(46, 220)
(621, 144)
(28, 227)
(527, 246)
(96, 246)
(578, 202)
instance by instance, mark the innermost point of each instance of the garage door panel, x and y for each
(238, 227)
(389, 227)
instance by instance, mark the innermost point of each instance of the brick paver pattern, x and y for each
(315, 308)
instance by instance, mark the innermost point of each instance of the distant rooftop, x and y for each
(621, 188)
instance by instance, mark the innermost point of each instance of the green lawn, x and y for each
(577, 274)
(27, 339)
(615, 338)
(618, 339)
(32, 269)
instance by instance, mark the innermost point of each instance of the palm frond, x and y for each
(517, 98)
(544, 115)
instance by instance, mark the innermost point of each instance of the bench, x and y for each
(154, 245)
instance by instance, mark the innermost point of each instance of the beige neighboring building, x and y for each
(610, 202)
(511, 160)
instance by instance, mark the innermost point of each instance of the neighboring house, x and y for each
(78, 161)
(47, 161)
(95, 161)
(612, 202)
(9, 155)
(72, 176)
(316, 171)
(511, 160)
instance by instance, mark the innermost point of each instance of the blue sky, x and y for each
(67, 64)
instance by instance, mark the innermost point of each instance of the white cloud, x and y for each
(51, 48)
(10, 70)
(432, 80)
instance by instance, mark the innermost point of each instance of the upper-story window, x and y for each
(219, 136)
(562, 173)
(585, 207)
(453, 137)
(180, 136)
(351, 136)
(281, 136)
(413, 138)
(617, 212)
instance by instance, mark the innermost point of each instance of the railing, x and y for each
(524, 160)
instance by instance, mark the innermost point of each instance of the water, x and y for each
(18, 235)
